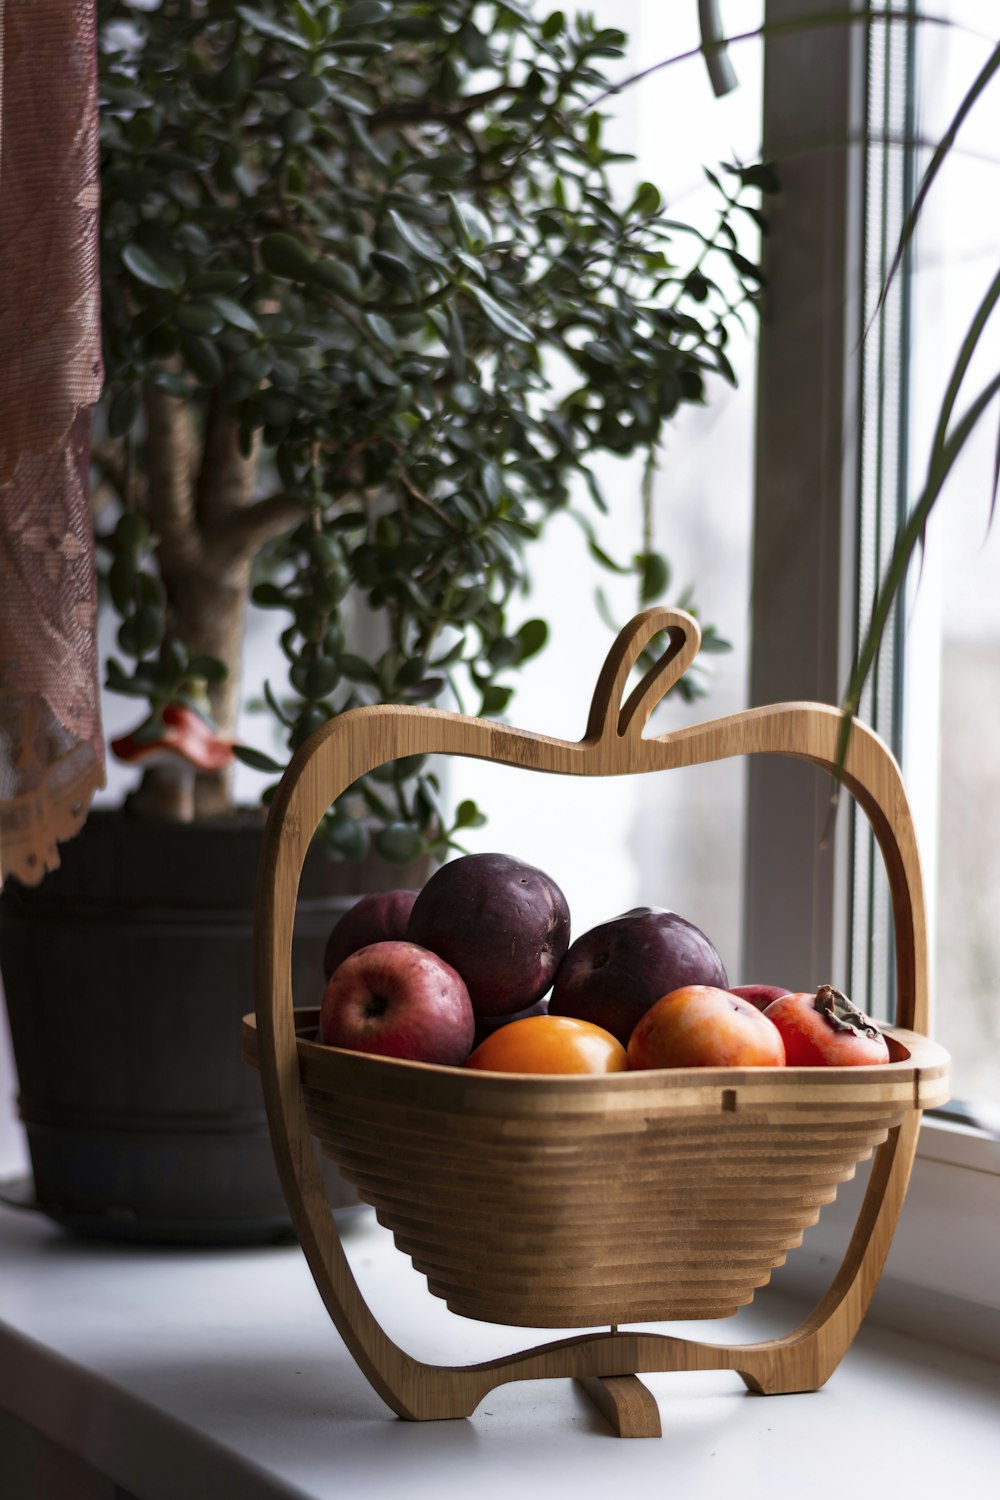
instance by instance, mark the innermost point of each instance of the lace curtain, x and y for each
(51, 745)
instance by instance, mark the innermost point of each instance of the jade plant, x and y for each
(371, 309)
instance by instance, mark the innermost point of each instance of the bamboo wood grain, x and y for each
(626, 1403)
(742, 1159)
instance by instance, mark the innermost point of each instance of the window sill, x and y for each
(204, 1373)
(957, 1145)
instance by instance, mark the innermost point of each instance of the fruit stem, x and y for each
(835, 1008)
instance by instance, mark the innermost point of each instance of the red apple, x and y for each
(400, 1001)
(760, 995)
(374, 919)
(699, 1026)
(614, 973)
(503, 924)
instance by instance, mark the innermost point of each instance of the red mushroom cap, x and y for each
(185, 736)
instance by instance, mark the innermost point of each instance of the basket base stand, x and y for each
(625, 1402)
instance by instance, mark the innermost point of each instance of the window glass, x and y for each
(952, 666)
(672, 840)
(883, 477)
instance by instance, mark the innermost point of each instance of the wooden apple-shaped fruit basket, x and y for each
(516, 1194)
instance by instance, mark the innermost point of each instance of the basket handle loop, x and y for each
(612, 719)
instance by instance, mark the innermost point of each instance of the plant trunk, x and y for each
(196, 493)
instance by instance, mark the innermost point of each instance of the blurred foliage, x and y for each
(951, 431)
(385, 236)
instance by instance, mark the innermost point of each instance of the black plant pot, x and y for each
(126, 974)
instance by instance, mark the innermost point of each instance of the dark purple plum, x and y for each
(503, 924)
(486, 1025)
(615, 972)
(378, 918)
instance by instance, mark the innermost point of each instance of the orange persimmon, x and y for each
(698, 1026)
(549, 1044)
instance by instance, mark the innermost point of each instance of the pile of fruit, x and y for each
(457, 974)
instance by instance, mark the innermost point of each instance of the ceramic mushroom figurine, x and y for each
(181, 743)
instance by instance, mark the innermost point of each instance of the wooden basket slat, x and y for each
(788, 1197)
(640, 1152)
(669, 1260)
(544, 1221)
(582, 1313)
(744, 1139)
(611, 1295)
(621, 1111)
(802, 1172)
(614, 1302)
(532, 1226)
(593, 1252)
(734, 1179)
(521, 1245)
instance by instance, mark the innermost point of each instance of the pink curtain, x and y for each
(51, 745)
